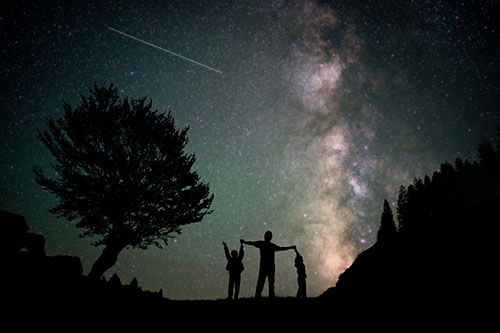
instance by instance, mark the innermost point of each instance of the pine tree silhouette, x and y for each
(401, 209)
(122, 172)
(489, 158)
(387, 231)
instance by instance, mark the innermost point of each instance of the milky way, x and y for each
(322, 110)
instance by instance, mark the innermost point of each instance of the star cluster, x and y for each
(323, 109)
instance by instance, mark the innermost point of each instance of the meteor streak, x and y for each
(165, 50)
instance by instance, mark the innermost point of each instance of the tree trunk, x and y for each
(105, 261)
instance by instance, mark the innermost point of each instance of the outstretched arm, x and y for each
(285, 248)
(242, 241)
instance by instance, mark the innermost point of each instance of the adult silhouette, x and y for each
(266, 267)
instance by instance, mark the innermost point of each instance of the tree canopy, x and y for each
(122, 172)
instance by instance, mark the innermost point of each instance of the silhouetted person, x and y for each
(301, 275)
(234, 267)
(266, 267)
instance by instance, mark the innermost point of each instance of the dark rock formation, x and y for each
(37, 283)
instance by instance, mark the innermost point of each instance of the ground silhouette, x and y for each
(37, 285)
(438, 265)
(35, 282)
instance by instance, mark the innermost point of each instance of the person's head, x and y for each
(268, 236)
(234, 253)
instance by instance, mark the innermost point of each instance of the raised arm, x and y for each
(242, 252)
(226, 251)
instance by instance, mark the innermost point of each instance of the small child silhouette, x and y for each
(301, 275)
(234, 267)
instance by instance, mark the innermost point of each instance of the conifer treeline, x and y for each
(429, 204)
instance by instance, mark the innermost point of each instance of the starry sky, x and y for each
(322, 110)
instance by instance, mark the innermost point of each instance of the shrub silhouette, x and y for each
(122, 171)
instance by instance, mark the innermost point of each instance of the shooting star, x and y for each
(165, 50)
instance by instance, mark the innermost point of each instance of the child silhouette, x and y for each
(234, 267)
(301, 275)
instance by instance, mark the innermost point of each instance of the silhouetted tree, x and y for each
(427, 182)
(387, 231)
(497, 146)
(459, 165)
(401, 209)
(123, 172)
(489, 159)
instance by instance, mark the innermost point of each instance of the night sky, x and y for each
(322, 110)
